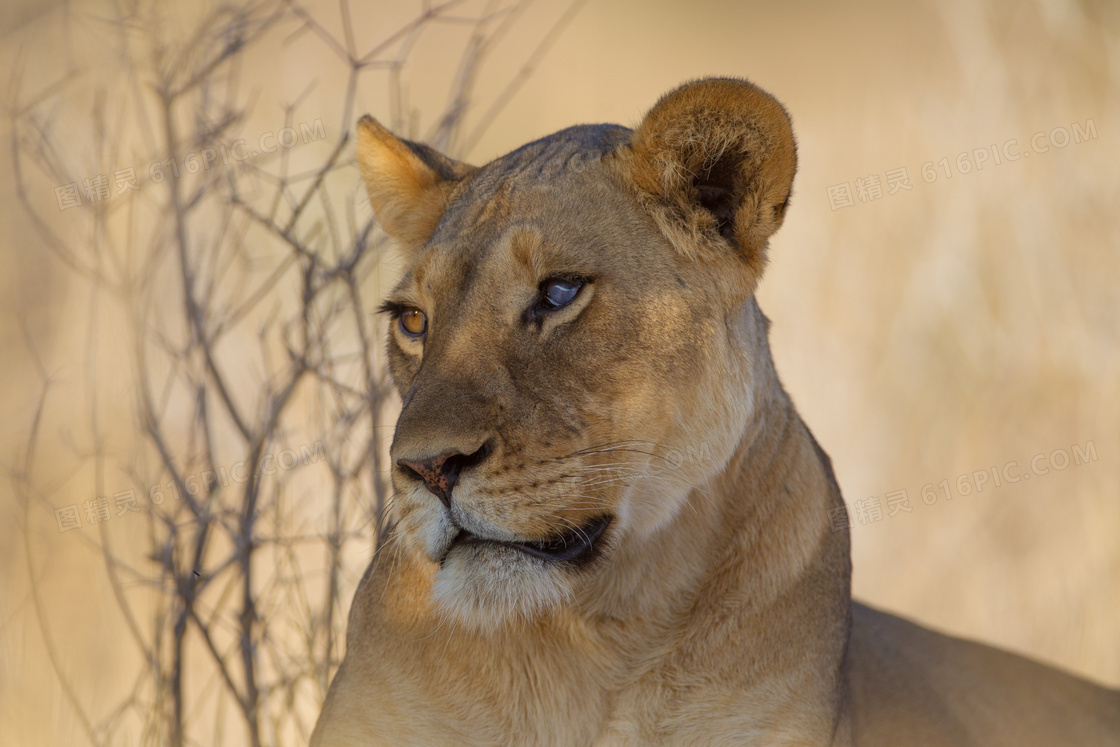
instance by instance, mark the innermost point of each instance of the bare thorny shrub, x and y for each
(257, 386)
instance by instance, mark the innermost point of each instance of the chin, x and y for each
(487, 588)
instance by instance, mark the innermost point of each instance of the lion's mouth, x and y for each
(575, 545)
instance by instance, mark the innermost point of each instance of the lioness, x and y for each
(573, 314)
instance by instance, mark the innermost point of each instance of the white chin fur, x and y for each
(486, 588)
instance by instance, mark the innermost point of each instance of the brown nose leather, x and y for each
(432, 471)
(441, 473)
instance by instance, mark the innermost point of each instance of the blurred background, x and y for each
(190, 271)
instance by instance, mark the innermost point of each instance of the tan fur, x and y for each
(717, 609)
(408, 195)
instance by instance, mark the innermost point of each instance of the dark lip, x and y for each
(573, 546)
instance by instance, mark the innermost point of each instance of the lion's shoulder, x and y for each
(913, 685)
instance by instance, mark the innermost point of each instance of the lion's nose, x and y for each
(441, 473)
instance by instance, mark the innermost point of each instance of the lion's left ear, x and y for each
(716, 158)
(408, 183)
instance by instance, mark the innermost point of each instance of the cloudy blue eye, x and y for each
(559, 292)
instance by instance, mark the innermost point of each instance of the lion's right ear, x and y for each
(408, 183)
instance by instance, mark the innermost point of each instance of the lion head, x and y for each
(575, 325)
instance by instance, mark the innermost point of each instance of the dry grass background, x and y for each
(932, 333)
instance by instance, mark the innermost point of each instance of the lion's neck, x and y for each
(748, 578)
(758, 526)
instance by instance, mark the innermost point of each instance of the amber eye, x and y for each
(413, 322)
